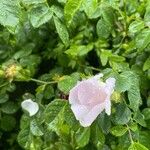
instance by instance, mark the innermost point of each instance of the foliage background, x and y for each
(46, 46)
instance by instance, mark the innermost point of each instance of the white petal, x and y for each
(87, 92)
(30, 106)
(79, 111)
(98, 76)
(110, 84)
(108, 106)
(73, 95)
(96, 80)
(88, 119)
(109, 88)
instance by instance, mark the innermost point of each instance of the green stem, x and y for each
(42, 82)
(130, 135)
(120, 44)
(92, 68)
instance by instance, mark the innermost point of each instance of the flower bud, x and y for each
(116, 97)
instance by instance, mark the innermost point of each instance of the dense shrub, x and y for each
(47, 46)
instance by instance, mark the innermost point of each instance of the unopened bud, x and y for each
(116, 97)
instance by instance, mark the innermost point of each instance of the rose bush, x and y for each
(51, 52)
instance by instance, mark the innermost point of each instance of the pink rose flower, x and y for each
(90, 97)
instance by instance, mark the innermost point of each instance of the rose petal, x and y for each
(79, 111)
(109, 88)
(96, 80)
(88, 119)
(87, 93)
(110, 84)
(108, 106)
(30, 106)
(98, 76)
(73, 95)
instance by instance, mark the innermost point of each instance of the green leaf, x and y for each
(40, 14)
(97, 136)
(62, 31)
(9, 107)
(123, 81)
(104, 122)
(146, 113)
(70, 118)
(122, 114)
(31, 2)
(67, 83)
(129, 81)
(134, 93)
(82, 137)
(139, 118)
(133, 126)
(146, 64)
(24, 138)
(54, 117)
(48, 92)
(35, 128)
(119, 66)
(144, 137)
(36, 144)
(137, 146)
(7, 123)
(26, 51)
(3, 98)
(24, 122)
(104, 55)
(70, 9)
(147, 15)
(117, 58)
(136, 26)
(62, 146)
(53, 109)
(108, 14)
(79, 50)
(142, 39)
(90, 6)
(30, 61)
(118, 130)
(58, 11)
(9, 13)
(103, 29)
(62, 1)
